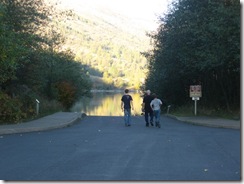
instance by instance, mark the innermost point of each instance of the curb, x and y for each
(204, 124)
(63, 125)
(44, 128)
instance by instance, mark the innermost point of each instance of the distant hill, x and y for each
(108, 43)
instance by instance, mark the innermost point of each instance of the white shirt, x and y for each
(155, 104)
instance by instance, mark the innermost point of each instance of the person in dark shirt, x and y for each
(126, 106)
(147, 108)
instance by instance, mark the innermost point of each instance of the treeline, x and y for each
(32, 65)
(197, 43)
(109, 53)
(115, 66)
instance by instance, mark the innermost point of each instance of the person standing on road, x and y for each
(148, 112)
(155, 105)
(126, 106)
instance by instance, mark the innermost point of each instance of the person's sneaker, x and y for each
(156, 125)
(147, 125)
(129, 125)
(159, 125)
(152, 124)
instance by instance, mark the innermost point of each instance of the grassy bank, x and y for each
(201, 111)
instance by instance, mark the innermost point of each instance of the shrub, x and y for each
(66, 94)
(10, 110)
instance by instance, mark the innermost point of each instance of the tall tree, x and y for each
(31, 61)
(20, 20)
(198, 42)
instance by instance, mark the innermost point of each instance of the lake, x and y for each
(106, 104)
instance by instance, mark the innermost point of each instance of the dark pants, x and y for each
(149, 114)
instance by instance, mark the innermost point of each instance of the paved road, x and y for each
(102, 148)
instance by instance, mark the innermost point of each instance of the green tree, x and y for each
(19, 23)
(197, 42)
(32, 64)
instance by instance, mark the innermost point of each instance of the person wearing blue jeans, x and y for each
(148, 112)
(126, 106)
(155, 105)
(127, 117)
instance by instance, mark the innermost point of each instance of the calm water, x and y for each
(106, 104)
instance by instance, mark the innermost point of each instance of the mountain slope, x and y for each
(107, 42)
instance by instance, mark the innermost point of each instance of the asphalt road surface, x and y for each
(102, 148)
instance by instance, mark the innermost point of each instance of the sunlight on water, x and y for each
(106, 104)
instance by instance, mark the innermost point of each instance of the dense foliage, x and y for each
(111, 54)
(197, 43)
(31, 65)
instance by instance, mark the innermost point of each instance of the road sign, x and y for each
(195, 98)
(195, 91)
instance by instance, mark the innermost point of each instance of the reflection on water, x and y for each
(106, 104)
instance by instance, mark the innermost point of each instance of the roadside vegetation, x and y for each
(32, 65)
(197, 43)
(188, 110)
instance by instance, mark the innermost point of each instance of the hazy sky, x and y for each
(134, 9)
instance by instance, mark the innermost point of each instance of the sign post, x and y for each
(195, 93)
(37, 107)
(195, 99)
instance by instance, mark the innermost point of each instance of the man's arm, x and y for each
(131, 104)
(160, 102)
(143, 106)
(151, 104)
(122, 105)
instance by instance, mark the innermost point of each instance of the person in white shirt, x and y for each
(155, 105)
